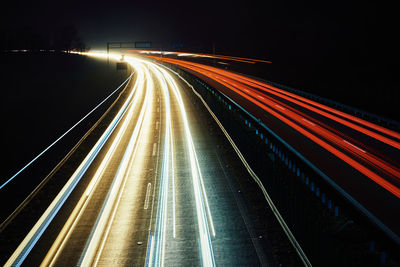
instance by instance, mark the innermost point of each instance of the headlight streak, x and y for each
(202, 207)
(173, 183)
(147, 113)
(69, 226)
(95, 243)
(118, 138)
(37, 230)
(173, 84)
(99, 234)
(161, 220)
(255, 177)
(157, 247)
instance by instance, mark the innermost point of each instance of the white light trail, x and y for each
(94, 245)
(98, 236)
(161, 220)
(173, 184)
(41, 225)
(204, 217)
(65, 133)
(69, 226)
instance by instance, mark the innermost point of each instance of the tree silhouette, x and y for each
(62, 38)
(65, 38)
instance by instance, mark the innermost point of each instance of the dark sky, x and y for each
(342, 43)
(341, 32)
(233, 25)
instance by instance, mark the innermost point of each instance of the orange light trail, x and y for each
(231, 58)
(305, 124)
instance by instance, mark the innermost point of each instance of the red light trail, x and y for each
(360, 156)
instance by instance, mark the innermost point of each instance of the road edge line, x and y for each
(278, 216)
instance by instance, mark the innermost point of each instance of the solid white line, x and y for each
(281, 221)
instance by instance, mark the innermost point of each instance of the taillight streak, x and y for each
(280, 110)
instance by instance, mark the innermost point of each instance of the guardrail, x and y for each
(30, 164)
(293, 173)
(281, 221)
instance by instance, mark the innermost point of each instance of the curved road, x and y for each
(155, 194)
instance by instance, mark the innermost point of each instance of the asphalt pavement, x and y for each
(156, 193)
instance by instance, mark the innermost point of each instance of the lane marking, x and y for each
(146, 201)
(240, 205)
(36, 232)
(157, 124)
(204, 217)
(149, 258)
(161, 218)
(154, 149)
(99, 234)
(281, 221)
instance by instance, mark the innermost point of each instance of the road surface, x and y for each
(152, 191)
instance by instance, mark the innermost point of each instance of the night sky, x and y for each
(247, 27)
(352, 40)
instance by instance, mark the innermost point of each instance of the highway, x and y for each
(359, 158)
(151, 192)
(156, 190)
